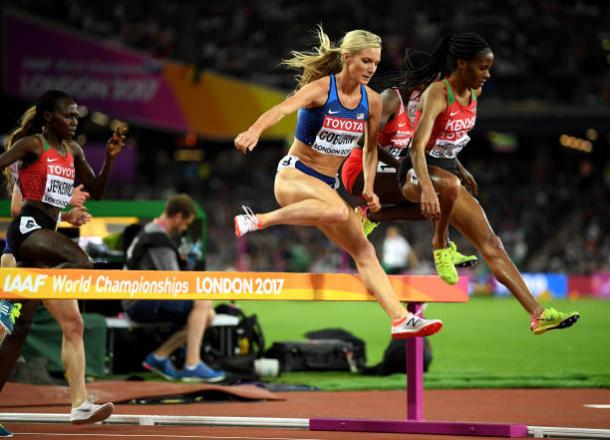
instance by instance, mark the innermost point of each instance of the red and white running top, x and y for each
(395, 136)
(450, 130)
(49, 179)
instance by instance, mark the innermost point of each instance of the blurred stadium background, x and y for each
(188, 75)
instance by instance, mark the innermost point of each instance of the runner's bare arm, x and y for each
(433, 103)
(390, 105)
(369, 156)
(24, 148)
(96, 184)
(313, 94)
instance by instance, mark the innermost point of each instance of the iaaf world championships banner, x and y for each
(122, 284)
(127, 84)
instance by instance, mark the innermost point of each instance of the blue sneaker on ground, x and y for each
(8, 313)
(5, 433)
(202, 373)
(163, 367)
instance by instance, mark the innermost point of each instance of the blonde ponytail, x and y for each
(323, 60)
(327, 59)
(25, 126)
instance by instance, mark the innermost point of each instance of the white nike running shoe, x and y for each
(90, 412)
(414, 325)
(246, 222)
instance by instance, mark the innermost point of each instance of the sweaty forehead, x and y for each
(372, 52)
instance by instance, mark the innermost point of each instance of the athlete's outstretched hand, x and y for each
(246, 141)
(372, 201)
(116, 143)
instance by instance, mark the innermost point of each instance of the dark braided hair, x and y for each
(413, 59)
(449, 49)
(32, 121)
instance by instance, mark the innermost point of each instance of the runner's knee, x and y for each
(449, 188)
(492, 247)
(72, 326)
(336, 214)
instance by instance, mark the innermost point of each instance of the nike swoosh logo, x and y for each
(330, 112)
(402, 125)
(51, 160)
(453, 113)
(84, 410)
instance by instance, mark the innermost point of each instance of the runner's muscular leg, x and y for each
(349, 236)
(470, 219)
(304, 201)
(70, 321)
(448, 187)
(42, 248)
(46, 248)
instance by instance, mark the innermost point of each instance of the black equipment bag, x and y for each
(395, 359)
(317, 355)
(247, 337)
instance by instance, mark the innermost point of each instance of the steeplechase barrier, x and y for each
(264, 422)
(274, 286)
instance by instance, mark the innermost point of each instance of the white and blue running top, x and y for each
(333, 129)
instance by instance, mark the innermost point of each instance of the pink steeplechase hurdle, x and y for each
(415, 422)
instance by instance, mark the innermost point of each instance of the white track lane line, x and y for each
(89, 435)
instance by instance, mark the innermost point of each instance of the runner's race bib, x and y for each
(58, 189)
(445, 149)
(338, 136)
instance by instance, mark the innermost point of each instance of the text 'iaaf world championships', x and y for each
(170, 285)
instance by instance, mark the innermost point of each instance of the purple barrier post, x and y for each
(415, 373)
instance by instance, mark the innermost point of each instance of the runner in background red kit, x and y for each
(393, 142)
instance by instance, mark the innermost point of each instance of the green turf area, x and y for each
(485, 343)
